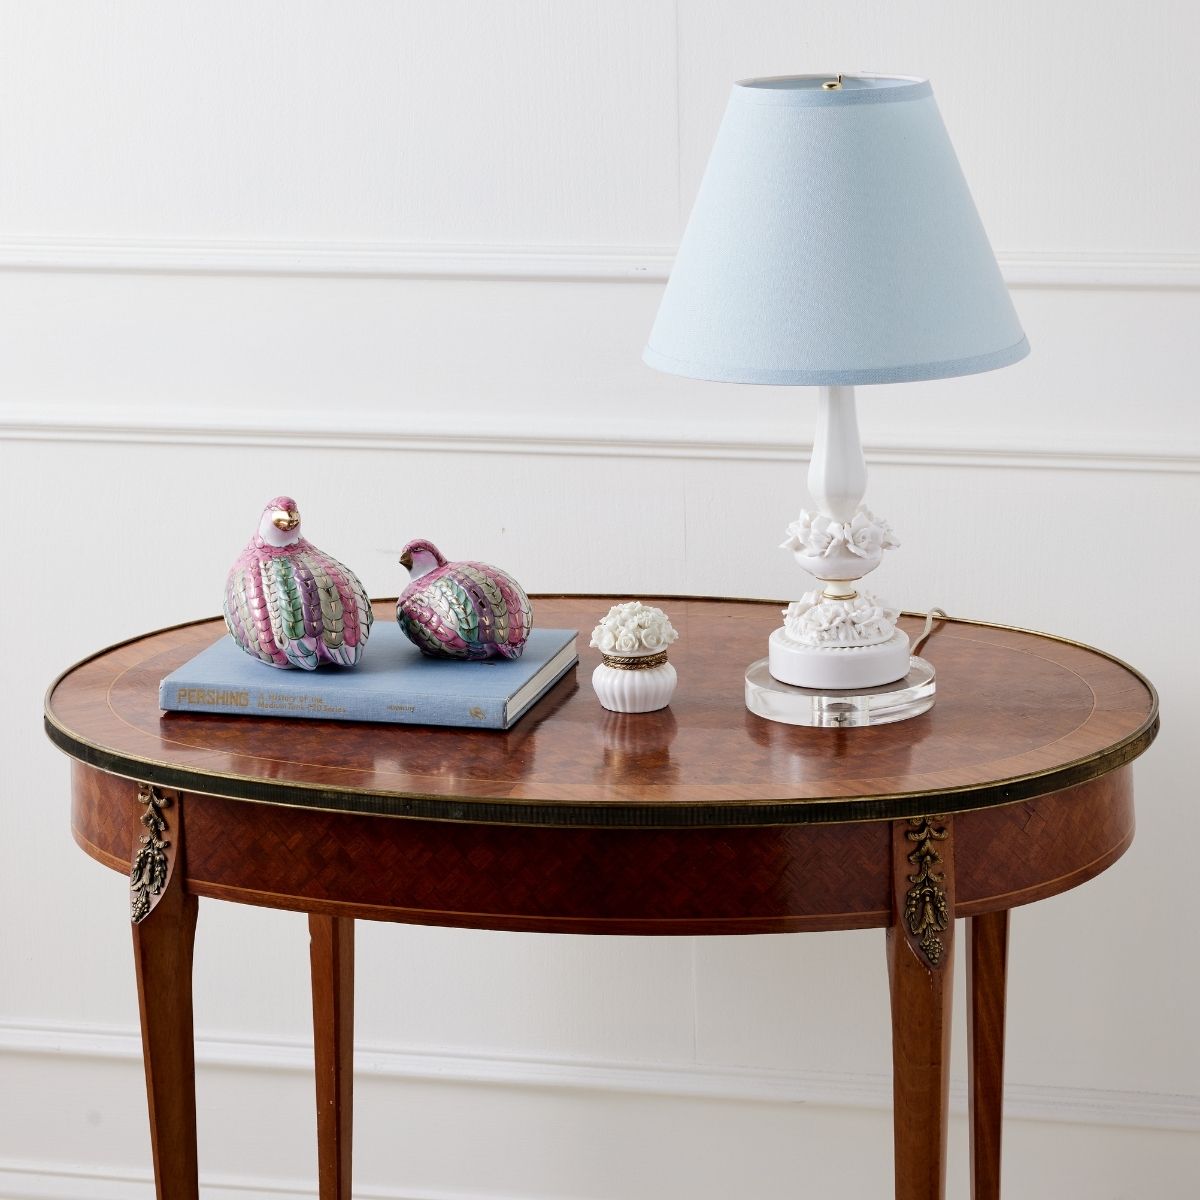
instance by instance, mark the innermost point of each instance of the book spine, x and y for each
(178, 695)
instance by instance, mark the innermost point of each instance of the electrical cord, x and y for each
(934, 614)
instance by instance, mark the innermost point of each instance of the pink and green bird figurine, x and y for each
(461, 609)
(291, 605)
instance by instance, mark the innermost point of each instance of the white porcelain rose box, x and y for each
(634, 676)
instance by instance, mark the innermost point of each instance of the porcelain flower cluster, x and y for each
(633, 628)
(818, 621)
(820, 536)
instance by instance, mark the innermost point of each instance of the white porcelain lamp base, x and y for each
(837, 668)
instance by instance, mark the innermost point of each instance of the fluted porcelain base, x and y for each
(634, 691)
(835, 668)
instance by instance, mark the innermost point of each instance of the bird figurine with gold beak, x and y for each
(291, 605)
(461, 609)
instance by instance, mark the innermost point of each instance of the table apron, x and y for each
(766, 879)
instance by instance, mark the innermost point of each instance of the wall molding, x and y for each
(634, 437)
(432, 260)
(1029, 1102)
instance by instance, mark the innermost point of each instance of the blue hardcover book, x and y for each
(394, 683)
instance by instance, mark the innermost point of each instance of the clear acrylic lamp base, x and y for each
(816, 708)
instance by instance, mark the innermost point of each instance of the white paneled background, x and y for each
(399, 260)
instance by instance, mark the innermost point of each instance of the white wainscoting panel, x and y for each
(150, 546)
(400, 261)
(514, 1129)
(521, 365)
(542, 120)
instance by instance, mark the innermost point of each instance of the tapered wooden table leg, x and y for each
(164, 933)
(920, 955)
(332, 956)
(987, 966)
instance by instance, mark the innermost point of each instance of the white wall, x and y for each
(399, 260)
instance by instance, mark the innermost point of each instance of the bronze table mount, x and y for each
(700, 819)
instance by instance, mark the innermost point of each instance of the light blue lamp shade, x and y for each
(834, 241)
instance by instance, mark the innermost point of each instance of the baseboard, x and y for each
(46, 1181)
(1031, 1102)
(569, 437)
(430, 260)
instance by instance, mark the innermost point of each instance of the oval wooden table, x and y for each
(700, 819)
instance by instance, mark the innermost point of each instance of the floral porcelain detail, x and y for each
(634, 676)
(816, 620)
(850, 548)
(633, 628)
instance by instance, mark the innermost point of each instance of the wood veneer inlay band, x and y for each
(946, 773)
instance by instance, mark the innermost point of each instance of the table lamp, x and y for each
(834, 242)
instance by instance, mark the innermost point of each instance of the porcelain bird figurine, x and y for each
(291, 605)
(461, 609)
